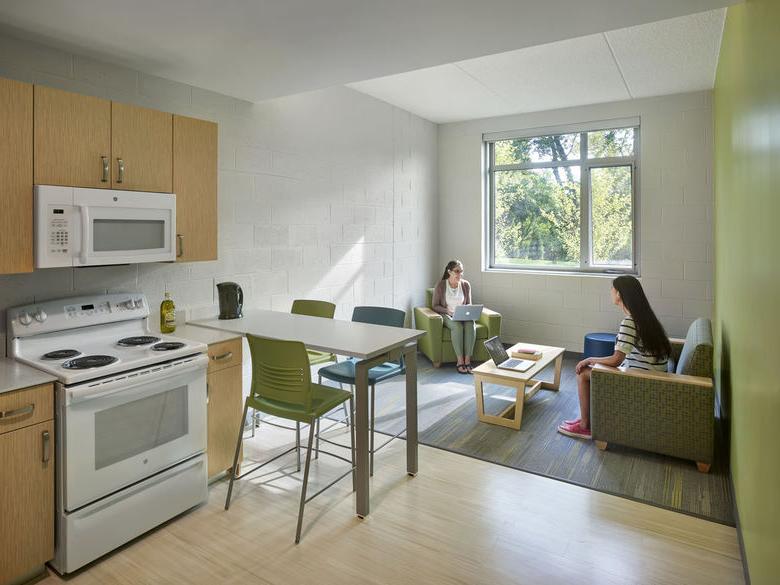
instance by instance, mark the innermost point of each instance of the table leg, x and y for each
(361, 439)
(410, 360)
(556, 383)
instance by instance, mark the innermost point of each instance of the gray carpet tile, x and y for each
(448, 420)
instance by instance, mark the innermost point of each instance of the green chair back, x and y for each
(379, 316)
(280, 371)
(429, 298)
(313, 308)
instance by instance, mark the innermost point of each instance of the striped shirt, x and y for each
(628, 342)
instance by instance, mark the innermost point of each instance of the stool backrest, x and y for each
(379, 316)
(313, 308)
(280, 371)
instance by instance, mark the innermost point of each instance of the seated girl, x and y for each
(641, 344)
(453, 290)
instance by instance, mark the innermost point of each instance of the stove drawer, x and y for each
(224, 354)
(22, 408)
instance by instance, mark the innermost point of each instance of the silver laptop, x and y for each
(501, 358)
(467, 312)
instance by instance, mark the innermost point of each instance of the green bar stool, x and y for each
(282, 387)
(311, 308)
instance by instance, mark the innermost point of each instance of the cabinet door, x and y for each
(195, 186)
(72, 139)
(141, 149)
(16, 176)
(224, 416)
(26, 499)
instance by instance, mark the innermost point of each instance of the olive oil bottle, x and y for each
(167, 314)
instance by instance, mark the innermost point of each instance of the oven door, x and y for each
(124, 227)
(118, 431)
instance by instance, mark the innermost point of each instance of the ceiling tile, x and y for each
(441, 94)
(563, 74)
(671, 56)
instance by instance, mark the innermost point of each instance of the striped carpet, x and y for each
(448, 420)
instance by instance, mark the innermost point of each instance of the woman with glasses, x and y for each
(453, 290)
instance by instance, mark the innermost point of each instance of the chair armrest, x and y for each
(430, 321)
(655, 376)
(491, 320)
(425, 314)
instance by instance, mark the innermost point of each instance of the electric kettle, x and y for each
(231, 300)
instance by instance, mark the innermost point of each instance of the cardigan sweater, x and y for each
(439, 303)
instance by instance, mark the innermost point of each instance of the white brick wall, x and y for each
(675, 224)
(329, 194)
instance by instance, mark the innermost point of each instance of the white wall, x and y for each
(328, 195)
(676, 195)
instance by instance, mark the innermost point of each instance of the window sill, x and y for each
(543, 272)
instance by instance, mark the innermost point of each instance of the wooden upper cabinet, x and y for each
(16, 176)
(195, 186)
(72, 139)
(141, 149)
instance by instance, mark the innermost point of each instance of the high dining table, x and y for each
(370, 344)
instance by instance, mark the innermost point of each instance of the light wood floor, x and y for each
(459, 521)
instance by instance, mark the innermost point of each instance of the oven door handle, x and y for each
(151, 375)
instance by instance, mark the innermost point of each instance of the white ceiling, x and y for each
(672, 56)
(258, 49)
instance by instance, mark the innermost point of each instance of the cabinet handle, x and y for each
(221, 357)
(121, 165)
(46, 446)
(105, 169)
(17, 412)
(207, 393)
(180, 242)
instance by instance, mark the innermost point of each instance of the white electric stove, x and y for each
(130, 418)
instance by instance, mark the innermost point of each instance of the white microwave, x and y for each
(75, 226)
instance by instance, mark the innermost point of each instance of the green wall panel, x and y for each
(747, 271)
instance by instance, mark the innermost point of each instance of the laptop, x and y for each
(501, 358)
(467, 312)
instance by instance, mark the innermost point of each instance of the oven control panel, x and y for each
(64, 314)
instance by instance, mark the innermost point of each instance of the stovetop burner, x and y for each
(138, 340)
(167, 346)
(61, 354)
(89, 361)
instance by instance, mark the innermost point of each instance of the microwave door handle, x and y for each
(85, 234)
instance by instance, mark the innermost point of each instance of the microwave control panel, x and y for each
(58, 224)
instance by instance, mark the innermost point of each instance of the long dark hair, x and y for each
(649, 330)
(450, 265)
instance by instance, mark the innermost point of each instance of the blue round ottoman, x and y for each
(599, 345)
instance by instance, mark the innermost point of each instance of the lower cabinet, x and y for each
(26, 493)
(225, 404)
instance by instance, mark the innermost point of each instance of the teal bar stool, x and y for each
(282, 387)
(344, 372)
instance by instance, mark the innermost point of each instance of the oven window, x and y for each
(138, 426)
(109, 235)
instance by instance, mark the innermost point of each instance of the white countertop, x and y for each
(360, 340)
(205, 335)
(15, 376)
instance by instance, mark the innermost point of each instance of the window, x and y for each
(563, 200)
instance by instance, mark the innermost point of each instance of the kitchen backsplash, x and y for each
(329, 194)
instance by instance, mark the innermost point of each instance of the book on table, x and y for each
(526, 353)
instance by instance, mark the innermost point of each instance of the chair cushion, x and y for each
(324, 398)
(344, 372)
(696, 356)
(482, 333)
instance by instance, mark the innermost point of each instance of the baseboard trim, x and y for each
(741, 541)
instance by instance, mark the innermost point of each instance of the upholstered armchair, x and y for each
(668, 413)
(437, 344)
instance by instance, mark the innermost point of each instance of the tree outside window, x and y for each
(563, 201)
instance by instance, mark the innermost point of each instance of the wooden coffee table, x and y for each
(523, 382)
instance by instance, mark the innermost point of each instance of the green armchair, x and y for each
(668, 413)
(437, 344)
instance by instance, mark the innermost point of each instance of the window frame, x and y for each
(586, 265)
